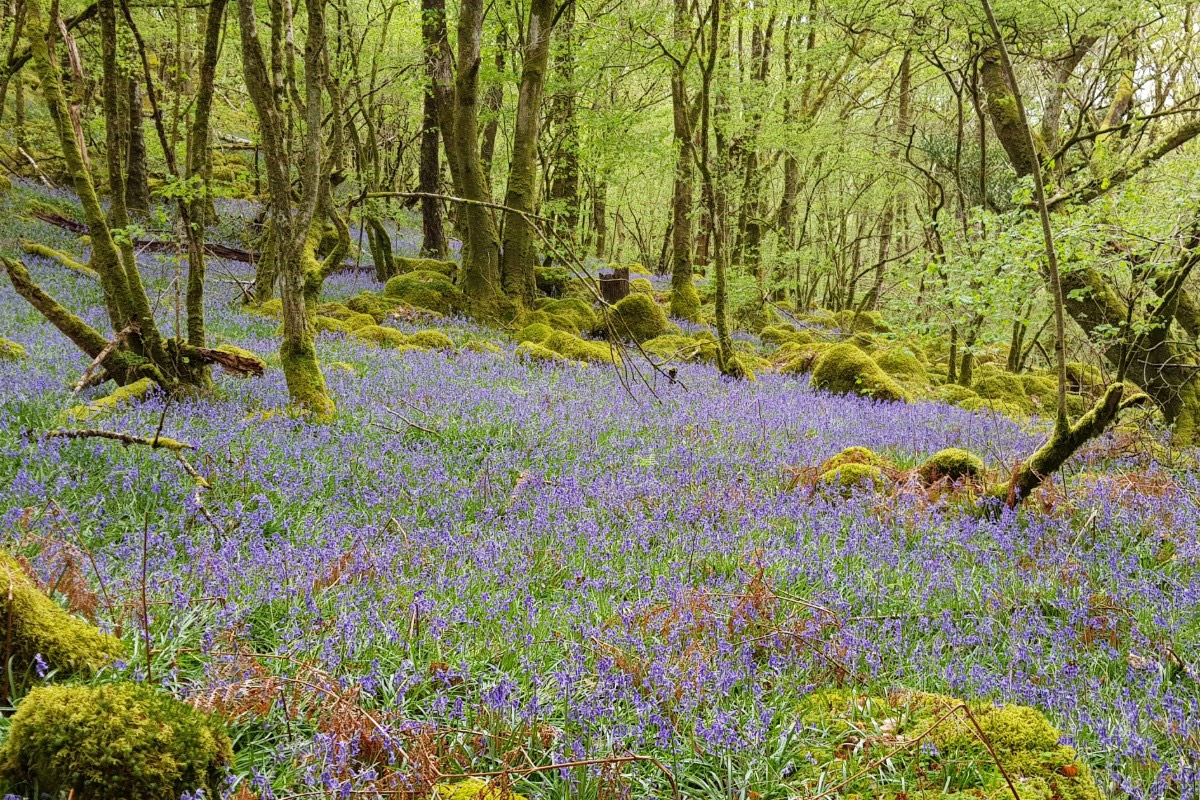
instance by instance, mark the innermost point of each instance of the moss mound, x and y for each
(406, 265)
(799, 359)
(851, 321)
(676, 347)
(540, 352)
(845, 369)
(41, 626)
(854, 455)
(535, 332)
(1003, 386)
(953, 393)
(902, 365)
(323, 324)
(474, 789)
(958, 764)
(121, 740)
(552, 280)
(373, 305)
(685, 303)
(641, 286)
(952, 463)
(432, 339)
(5, 184)
(637, 317)
(849, 477)
(785, 333)
(123, 396)
(560, 322)
(271, 308)
(384, 337)
(1002, 407)
(10, 350)
(576, 309)
(425, 289)
(578, 349)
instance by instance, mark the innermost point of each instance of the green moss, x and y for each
(432, 340)
(850, 321)
(552, 280)
(853, 455)
(426, 289)
(785, 333)
(355, 320)
(35, 249)
(537, 332)
(329, 325)
(306, 384)
(335, 310)
(123, 396)
(271, 308)
(845, 369)
(241, 353)
(559, 322)
(952, 463)
(1005, 387)
(798, 358)
(540, 352)
(41, 626)
(576, 309)
(384, 337)
(482, 346)
(953, 393)
(675, 347)
(641, 286)
(117, 741)
(902, 365)
(637, 317)
(757, 315)
(580, 349)
(848, 477)
(635, 268)
(685, 302)
(5, 184)
(1084, 378)
(10, 350)
(373, 305)
(473, 789)
(1002, 407)
(446, 268)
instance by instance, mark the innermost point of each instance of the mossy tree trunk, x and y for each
(685, 301)
(137, 182)
(433, 231)
(518, 252)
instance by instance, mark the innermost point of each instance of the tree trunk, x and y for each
(137, 184)
(433, 232)
(493, 101)
(564, 188)
(685, 301)
(518, 253)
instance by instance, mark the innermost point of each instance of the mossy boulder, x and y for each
(560, 322)
(953, 464)
(854, 455)
(373, 305)
(1042, 389)
(39, 626)
(10, 350)
(851, 321)
(785, 333)
(6, 184)
(579, 349)
(953, 393)
(116, 741)
(1025, 743)
(123, 396)
(425, 289)
(482, 346)
(849, 477)
(902, 365)
(431, 339)
(384, 337)
(474, 789)
(684, 303)
(1085, 378)
(637, 317)
(635, 268)
(552, 281)
(271, 308)
(797, 358)
(323, 324)
(576, 309)
(676, 347)
(406, 265)
(535, 332)
(540, 352)
(1002, 407)
(845, 369)
(641, 286)
(1005, 387)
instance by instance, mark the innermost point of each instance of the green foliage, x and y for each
(637, 317)
(39, 626)
(845, 369)
(952, 463)
(115, 741)
(953, 393)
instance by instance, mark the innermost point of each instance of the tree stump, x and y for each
(614, 285)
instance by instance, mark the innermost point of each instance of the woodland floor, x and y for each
(494, 563)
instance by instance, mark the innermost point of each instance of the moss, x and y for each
(6, 184)
(123, 396)
(559, 322)
(853, 455)
(1004, 386)
(120, 740)
(426, 289)
(685, 302)
(1042, 388)
(953, 393)
(482, 346)
(675, 347)
(355, 321)
(552, 280)
(537, 332)
(306, 384)
(384, 337)
(35, 249)
(757, 315)
(798, 358)
(323, 324)
(42, 627)
(851, 321)
(376, 306)
(341, 366)
(820, 317)
(580, 349)
(406, 265)
(473, 789)
(785, 333)
(540, 352)
(638, 317)
(634, 268)
(272, 308)
(241, 352)
(848, 477)
(432, 340)
(641, 286)
(1084, 378)
(335, 310)
(902, 365)
(1002, 407)
(1025, 743)
(845, 369)
(952, 463)
(576, 309)
(10, 350)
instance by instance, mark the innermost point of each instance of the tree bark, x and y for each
(137, 183)
(433, 232)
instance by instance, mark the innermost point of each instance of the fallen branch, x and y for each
(152, 245)
(123, 438)
(113, 344)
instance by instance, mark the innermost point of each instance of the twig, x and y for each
(103, 354)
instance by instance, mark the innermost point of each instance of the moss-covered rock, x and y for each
(849, 477)
(431, 339)
(10, 350)
(540, 352)
(323, 324)
(384, 337)
(854, 455)
(637, 317)
(123, 396)
(845, 369)
(271, 308)
(785, 333)
(39, 626)
(676, 347)
(1042, 389)
(552, 280)
(1085, 378)
(6, 184)
(903, 365)
(405, 265)
(641, 286)
(684, 303)
(851, 321)
(1005, 387)
(373, 305)
(482, 346)
(474, 789)
(425, 289)
(579, 349)
(635, 268)
(577, 309)
(535, 332)
(1002, 407)
(951, 463)
(116, 741)
(796, 358)
(953, 393)
(560, 322)
(1025, 743)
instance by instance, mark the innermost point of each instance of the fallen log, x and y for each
(153, 245)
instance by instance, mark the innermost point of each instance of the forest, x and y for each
(599, 399)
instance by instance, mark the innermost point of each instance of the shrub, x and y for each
(845, 369)
(953, 463)
(117, 741)
(42, 627)
(638, 317)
